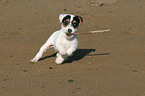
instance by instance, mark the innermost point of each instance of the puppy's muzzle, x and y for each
(69, 32)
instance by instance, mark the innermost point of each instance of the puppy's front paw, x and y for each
(34, 60)
(62, 52)
(59, 60)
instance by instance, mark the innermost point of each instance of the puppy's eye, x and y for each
(75, 24)
(66, 23)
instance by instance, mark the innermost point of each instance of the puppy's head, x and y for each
(70, 23)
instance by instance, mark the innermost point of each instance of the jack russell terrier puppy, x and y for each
(65, 41)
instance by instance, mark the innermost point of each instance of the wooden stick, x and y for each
(91, 32)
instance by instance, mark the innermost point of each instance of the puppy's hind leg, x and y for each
(42, 50)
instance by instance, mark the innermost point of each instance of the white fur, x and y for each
(62, 43)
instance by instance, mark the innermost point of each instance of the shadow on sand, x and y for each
(78, 55)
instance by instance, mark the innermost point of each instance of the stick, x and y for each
(91, 32)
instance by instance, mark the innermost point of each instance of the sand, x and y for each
(105, 64)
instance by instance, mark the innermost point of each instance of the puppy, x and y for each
(65, 41)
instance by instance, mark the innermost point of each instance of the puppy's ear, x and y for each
(80, 18)
(61, 16)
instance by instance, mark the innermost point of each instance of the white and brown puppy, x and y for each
(63, 40)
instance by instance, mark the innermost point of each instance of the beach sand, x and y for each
(105, 64)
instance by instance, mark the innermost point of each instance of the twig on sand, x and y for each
(91, 32)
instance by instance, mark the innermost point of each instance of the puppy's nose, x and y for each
(69, 30)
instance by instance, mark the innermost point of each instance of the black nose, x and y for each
(69, 30)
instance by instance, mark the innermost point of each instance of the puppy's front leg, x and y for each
(62, 51)
(70, 51)
(60, 58)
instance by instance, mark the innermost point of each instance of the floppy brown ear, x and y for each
(81, 19)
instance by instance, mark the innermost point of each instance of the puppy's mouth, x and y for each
(69, 34)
